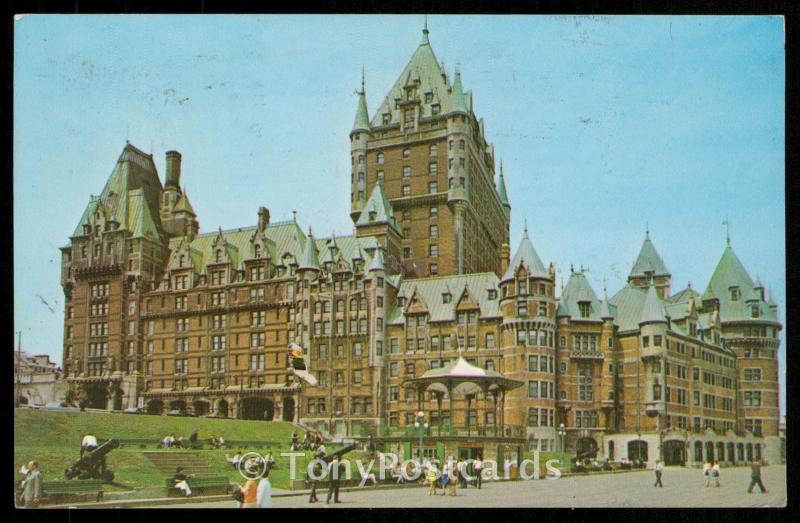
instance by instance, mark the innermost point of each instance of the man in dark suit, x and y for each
(317, 473)
(335, 472)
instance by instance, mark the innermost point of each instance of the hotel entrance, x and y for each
(674, 452)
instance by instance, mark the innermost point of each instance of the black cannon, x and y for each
(341, 452)
(93, 464)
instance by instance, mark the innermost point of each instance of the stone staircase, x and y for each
(192, 462)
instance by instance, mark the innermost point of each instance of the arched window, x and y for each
(363, 304)
(340, 306)
(353, 304)
(434, 150)
(380, 158)
(406, 153)
(257, 251)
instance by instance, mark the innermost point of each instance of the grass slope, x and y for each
(53, 439)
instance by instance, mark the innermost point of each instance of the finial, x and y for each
(362, 79)
(571, 269)
(425, 32)
(647, 230)
(689, 285)
(526, 226)
(501, 167)
(458, 69)
(727, 225)
(294, 216)
(309, 231)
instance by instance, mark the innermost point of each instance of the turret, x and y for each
(359, 136)
(649, 269)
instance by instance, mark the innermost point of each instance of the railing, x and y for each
(586, 355)
(490, 431)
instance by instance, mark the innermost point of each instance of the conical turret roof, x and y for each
(653, 309)
(501, 188)
(184, 205)
(309, 259)
(378, 203)
(361, 122)
(377, 263)
(527, 256)
(649, 261)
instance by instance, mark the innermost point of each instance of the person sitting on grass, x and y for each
(213, 442)
(234, 461)
(178, 443)
(180, 481)
(221, 440)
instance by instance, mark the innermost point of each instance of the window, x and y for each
(752, 398)
(434, 150)
(433, 250)
(406, 171)
(406, 153)
(433, 168)
(489, 340)
(752, 374)
(645, 341)
(522, 308)
(584, 308)
(433, 187)
(406, 190)
(434, 268)
(735, 293)
(533, 365)
(435, 109)
(380, 156)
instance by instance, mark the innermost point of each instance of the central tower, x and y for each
(428, 150)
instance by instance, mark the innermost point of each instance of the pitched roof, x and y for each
(731, 273)
(649, 261)
(309, 259)
(379, 204)
(578, 290)
(628, 302)
(361, 122)
(184, 205)
(430, 290)
(527, 256)
(430, 77)
(653, 310)
(377, 263)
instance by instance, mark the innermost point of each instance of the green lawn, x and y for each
(53, 439)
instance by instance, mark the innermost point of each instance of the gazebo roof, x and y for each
(462, 377)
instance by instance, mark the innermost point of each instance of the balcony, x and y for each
(587, 355)
(653, 352)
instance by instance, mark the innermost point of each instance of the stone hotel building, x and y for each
(164, 317)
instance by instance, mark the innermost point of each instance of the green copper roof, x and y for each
(628, 302)
(139, 220)
(501, 188)
(309, 259)
(430, 291)
(578, 290)
(458, 103)
(527, 256)
(377, 261)
(425, 72)
(378, 210)
(184, 205)
(649, 261)
(361, 122)
(731, 273)
(653, 309)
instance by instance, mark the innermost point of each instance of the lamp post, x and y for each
(562, 432)
(421, 426)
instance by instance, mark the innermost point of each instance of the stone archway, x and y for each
(221, 408)
(610, 455)
(200, 407)
(178, 405)
(731, 453)
(709, 451)
(698, 451)
(637, 450)
(96, 395)
(674, 452)
(586, 448)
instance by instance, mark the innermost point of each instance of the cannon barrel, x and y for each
(341, 452)
(91, 461)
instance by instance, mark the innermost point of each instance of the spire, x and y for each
(527, 257)
(648, 260)
(605, 312)
(459, 103)
(309, 259)
(361, 122)
(727, 225)
(653, 310)
(501, 189)
(425, 40)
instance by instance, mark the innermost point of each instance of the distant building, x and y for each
(37, 380)
(160, 315)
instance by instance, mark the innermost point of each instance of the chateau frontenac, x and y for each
(428, 311)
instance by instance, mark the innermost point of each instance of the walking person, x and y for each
(707, 473)
(334, 471)
(755, 477)
(659, 468)
(478, 468)
(431, 477)
(715, 473)
(250, 492)
(264, 492)
(31, 485)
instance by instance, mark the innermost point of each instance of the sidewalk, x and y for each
(276, 493)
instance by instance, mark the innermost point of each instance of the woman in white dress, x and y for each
(264, 492)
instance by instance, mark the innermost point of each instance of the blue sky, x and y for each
(604, 124)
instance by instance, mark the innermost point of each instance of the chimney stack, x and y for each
(263, 218)
(173, 169)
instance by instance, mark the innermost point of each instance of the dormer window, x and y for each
(387, 118)
(257, 251)
(372, 216)
(447, 297)
(401, 301)
(735, 293)
(218, 256)
(181, 260)
(585, 308)
(755, 311)
(436, 109)
(522, 286)
(428, 98)
(492, 294)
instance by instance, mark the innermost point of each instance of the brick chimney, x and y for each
(263, 218)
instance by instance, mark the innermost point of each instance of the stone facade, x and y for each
(163, 317)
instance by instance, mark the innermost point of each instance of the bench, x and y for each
(201, 485)
(72, 490)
